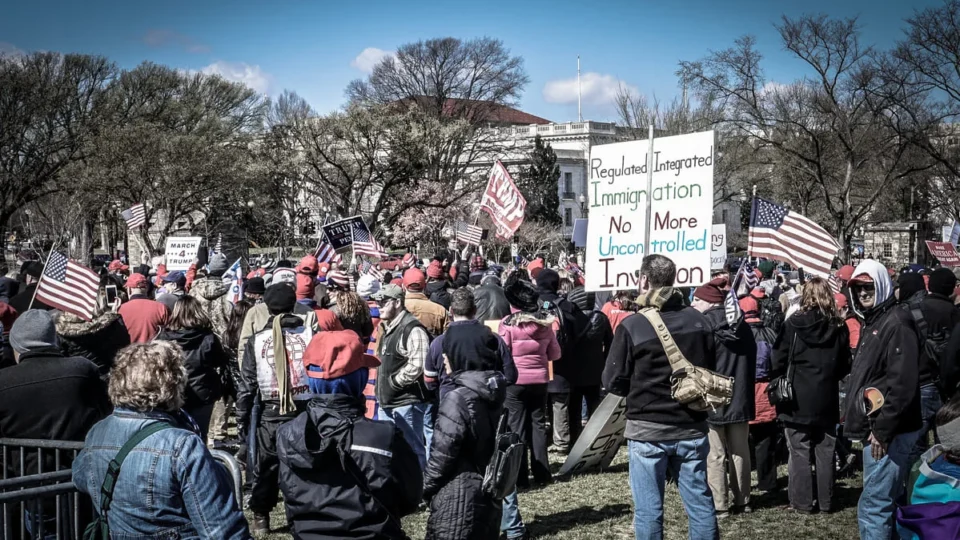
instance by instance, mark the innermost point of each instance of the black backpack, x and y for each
(934, 343)
(500, 477)
(771, 314)
(562, 338)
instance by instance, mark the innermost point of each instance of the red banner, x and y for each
(944, 252)
(503, 201)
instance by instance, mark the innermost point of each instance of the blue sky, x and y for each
(317, 48)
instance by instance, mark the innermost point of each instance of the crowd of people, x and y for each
(363, 397)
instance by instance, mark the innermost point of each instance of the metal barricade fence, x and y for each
(44, 502)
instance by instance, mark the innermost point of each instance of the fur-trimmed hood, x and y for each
(541, 318)
(70, 325)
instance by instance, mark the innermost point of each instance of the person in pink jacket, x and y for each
(528, 333)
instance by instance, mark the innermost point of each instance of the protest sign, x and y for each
(945, 252)
(181, 251)
(601, 438)
(580, 233)
(718, 246)
(681, 215)
(340, 233)
(951, 233)
(503, 201)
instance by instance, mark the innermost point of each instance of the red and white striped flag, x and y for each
(68, 286)
(783, 235)
(835, 285)
(364, 243)
(469, 234)
(326, 254)
(135, 216)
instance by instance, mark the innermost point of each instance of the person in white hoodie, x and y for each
(885, 365)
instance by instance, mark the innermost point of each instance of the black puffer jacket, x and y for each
(463, 443)
(324, 499)
(437, 292)
(205, 358)
(491, 303)
(98, 340)
(591, 355)
(887, 359)
(737, 358)
(820, 358)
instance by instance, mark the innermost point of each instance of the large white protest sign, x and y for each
(718, 246)
(181, 251)
(601, 438)
(951, 233)
(682, 209)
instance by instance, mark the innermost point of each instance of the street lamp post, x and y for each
(583, 205)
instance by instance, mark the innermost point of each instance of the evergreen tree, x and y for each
(539, 183)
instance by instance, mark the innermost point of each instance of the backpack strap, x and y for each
(921, 323)
(113, 469)
(678, 362)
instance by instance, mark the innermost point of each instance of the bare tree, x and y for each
(48, 108)
(832, 130)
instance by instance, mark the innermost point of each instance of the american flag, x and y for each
(835, 285)
(326, 254)
(783, 235)
(731, 305)
(68, 286)
(135, 216)
(364, 243)
(750, 278)
(369, 268)
(219, 247)
(469, 234)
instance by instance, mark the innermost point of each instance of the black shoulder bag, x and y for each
(100, 528)
(780, 391)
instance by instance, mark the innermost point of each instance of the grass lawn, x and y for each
(599, 505)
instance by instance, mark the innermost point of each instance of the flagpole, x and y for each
(649, 215)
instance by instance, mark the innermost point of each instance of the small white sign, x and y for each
(181, 251)
(718, 246)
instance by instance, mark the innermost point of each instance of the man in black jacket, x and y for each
(342, 475)
(886, 362)
(491, 303)
(661, 432)
(729, 428)
(572, 325)
(935, 316)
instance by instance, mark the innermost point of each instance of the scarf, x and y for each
(657, 298)
(282, 368)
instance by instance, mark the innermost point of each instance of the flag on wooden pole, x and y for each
(68, 286)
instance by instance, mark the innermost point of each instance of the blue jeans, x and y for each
(883, 483)
(930, 403)
(409, 418)
(429, 417)
(687, 459)
(511, 523)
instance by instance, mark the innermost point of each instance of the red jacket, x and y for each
(615, 313)
(765, 411)
(143, 318)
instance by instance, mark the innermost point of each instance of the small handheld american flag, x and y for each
(135, 216)
(68, 286)
(326, 254)
(783, 235)
(364, 243)
(469, 234)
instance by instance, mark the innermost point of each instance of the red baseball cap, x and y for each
(435, 270)
(136, 281)
(307, 265)
(335, 353)
(414, 280)
(841, 300)
(117, 266)
(845, 273)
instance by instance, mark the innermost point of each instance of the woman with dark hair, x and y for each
(528, 333)
(813, 353)
(203, 356)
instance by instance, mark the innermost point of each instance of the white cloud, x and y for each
(368, 58)
(9, 49)
(596, 89)
(252, 76)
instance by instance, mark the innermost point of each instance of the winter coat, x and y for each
(8, 288)
(436, 291)
(205, 359)
(615, 313)
(586, 366)
(98, 340)
(638, 369)
(464, 440)
(934, 501)
(326, 495)
(212, 294)
(941, 316)
(533, 344)
(574, 323)
(50, 396)
(736, 353)
(431, 315)
(25, 300)
(886, 359)
(820, 358)
(491, 303)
